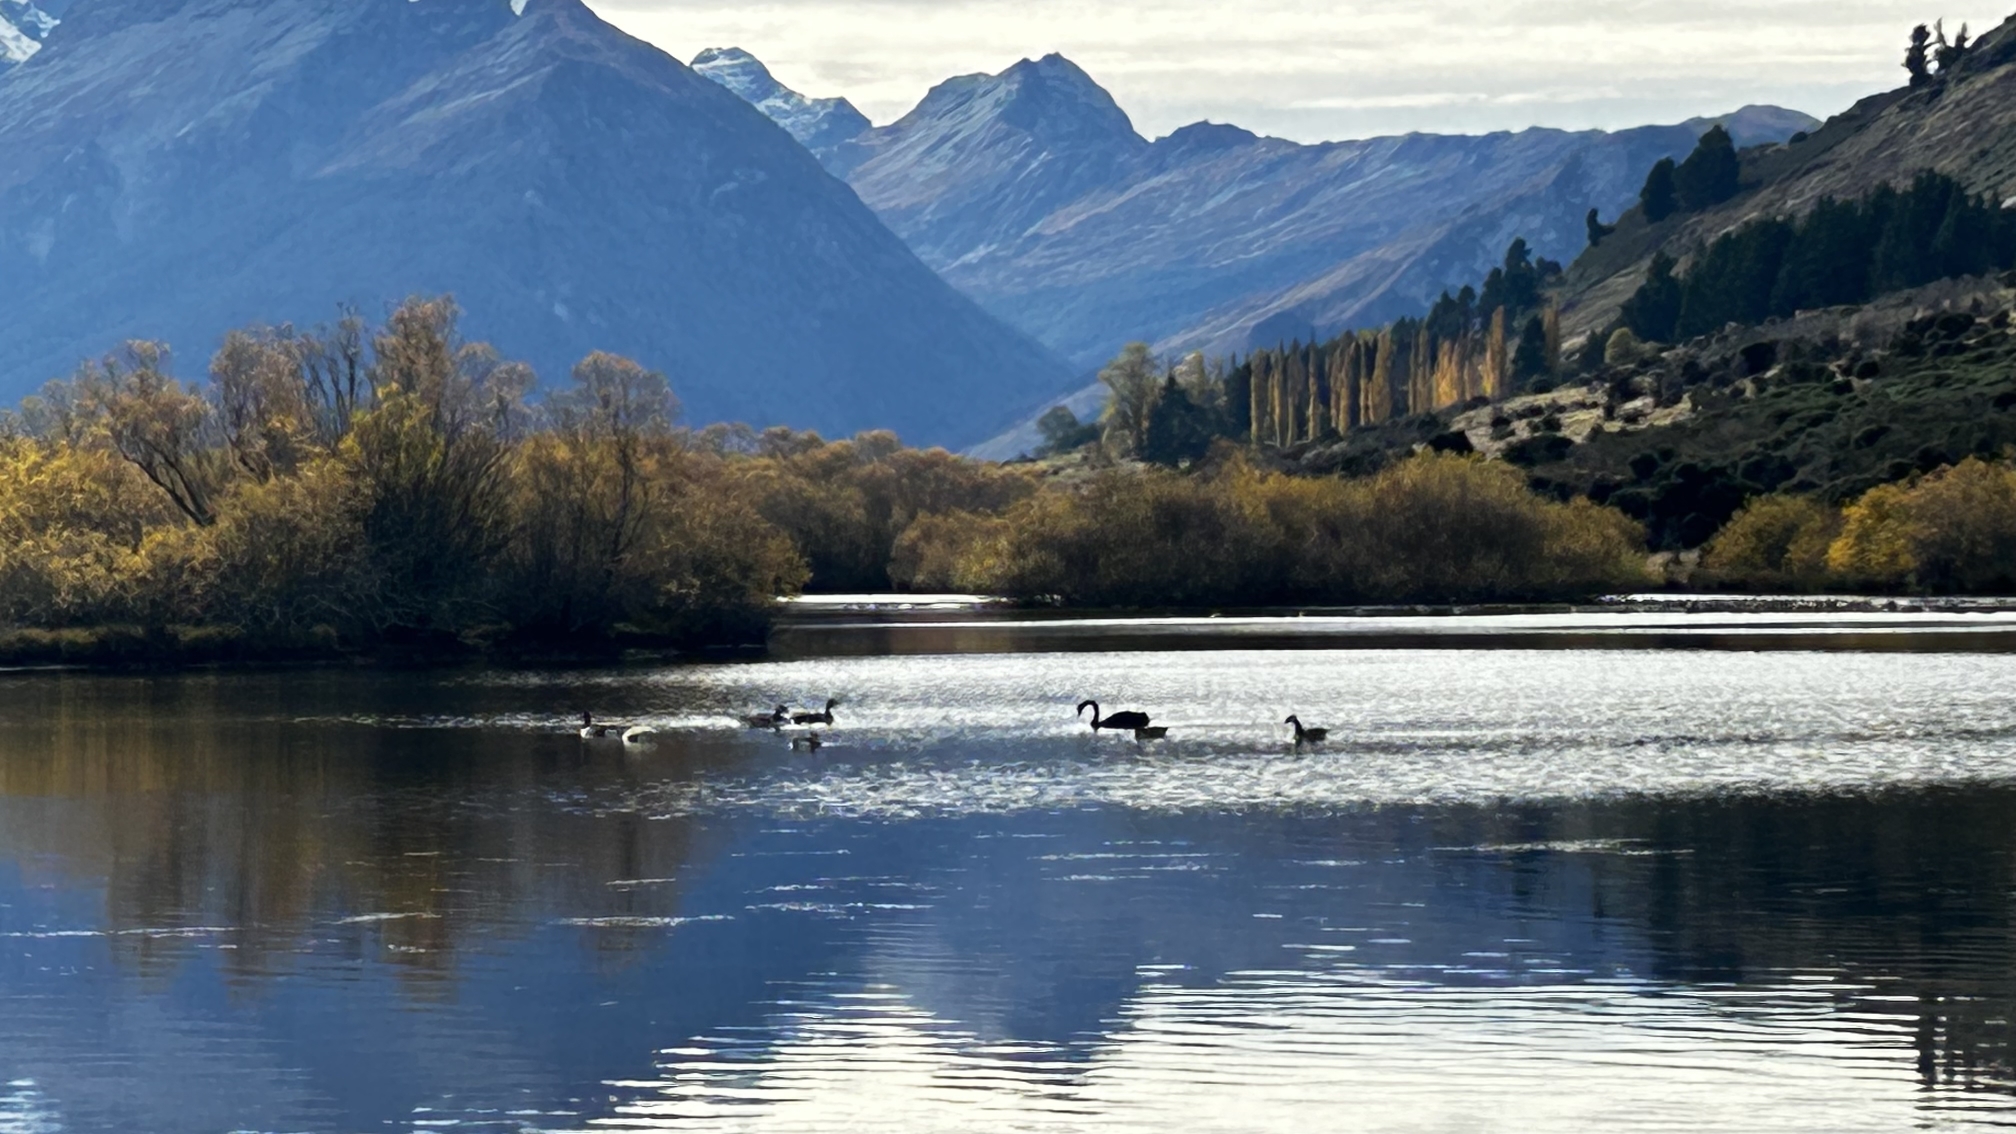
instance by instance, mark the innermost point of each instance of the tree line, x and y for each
(1841, 252)
(396, 489)
(1488, 343)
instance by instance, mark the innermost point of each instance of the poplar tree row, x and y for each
(1463, 350)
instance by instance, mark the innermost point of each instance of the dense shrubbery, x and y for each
(1433, 528)
(1951, 531)
(395, 489)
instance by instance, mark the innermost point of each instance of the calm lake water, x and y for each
(1553, 873)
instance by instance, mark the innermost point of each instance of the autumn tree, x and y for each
(168, 431)
(429, 463)
(1132, 385)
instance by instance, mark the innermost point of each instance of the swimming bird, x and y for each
(592, 731)
(1116, 721)
(810, 740)
(774, 719)
(639, 734)
(1156, 733)
(1307, 735)
(825, 718)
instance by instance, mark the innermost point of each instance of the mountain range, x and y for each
(1032, 192)
(175, 168)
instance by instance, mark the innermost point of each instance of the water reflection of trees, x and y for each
(192, 808)
(1906, 893)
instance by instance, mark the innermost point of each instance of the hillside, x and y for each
(1962, 124)
(1032, 192)
(178, 168)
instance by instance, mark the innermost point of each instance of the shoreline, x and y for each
(854, 624)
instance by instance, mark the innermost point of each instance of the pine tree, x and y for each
(1177, 427)
(1653, 311)
(1598, 231)
(1914, 56)
(1828, 265)
(1530, 361)
(1710, 175)
(1658, 197)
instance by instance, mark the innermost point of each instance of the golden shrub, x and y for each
(1775, 541)
(1953, 530)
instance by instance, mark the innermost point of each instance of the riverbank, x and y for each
(200, 647)
(912, 624)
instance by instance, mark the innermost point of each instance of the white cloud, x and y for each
(1313, 70)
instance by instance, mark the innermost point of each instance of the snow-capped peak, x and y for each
(818, 123)
(23, 27)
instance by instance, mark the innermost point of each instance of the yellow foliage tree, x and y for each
(1775, 541)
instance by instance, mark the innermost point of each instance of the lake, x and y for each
(1554, 871)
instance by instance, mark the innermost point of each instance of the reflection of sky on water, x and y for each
(1531, 891)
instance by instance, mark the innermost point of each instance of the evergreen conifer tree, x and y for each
(1598, 231)
(1915, 56)
(1653, 311)
(1179, 429)
(1710, 174)
(1530, 360)
(1659, 198)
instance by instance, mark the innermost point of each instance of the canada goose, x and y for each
(639, 734)
(810, 740)
(825, 718)
(592, 731)
(1156, 733)
(773, 719)
(1307, 735)
(1116, 721)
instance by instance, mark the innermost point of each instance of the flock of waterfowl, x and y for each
(1139, 723)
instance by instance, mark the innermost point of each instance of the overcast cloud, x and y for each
(1313, 71)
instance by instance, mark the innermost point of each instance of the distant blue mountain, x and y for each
(1032, 191)
(170, 169)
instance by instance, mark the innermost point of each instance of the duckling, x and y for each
(1307, 735)
(825, 718)
(592, 731)
(773, 719)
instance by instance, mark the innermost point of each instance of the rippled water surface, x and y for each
(1570, 875)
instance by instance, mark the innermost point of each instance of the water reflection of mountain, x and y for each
(291, 923)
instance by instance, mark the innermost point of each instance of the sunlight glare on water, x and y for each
(996, 733)
(1521, 891)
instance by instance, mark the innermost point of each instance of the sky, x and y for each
(1316, 71)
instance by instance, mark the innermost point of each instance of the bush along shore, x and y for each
(395, 494)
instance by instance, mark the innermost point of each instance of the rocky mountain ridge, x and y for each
(819, 124)
(1032, 192)
(23, 27)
